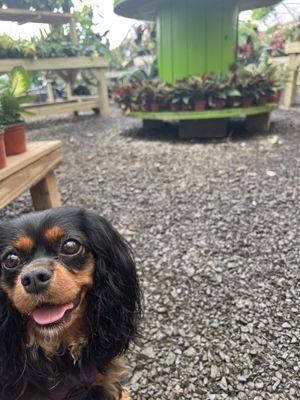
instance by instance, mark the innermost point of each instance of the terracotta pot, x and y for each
(184, 107)
(218, 104)
(2, 151)
(274, 98)
(15, 139)
(233, 102)
(200, 105)
(174, 107)
(247, 102)
(155, 106)
(262, 101)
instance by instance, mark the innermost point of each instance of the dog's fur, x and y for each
(99, 329)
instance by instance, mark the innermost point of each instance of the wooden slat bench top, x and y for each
(32, 170)
(35, 151)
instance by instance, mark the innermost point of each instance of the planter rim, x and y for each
(15, 124)
(146, 9)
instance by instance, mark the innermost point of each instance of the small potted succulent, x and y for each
(13, 93)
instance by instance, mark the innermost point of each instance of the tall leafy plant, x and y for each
(14, 93)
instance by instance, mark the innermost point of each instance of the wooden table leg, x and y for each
(291, 84)
(100, 75)
(45, 193)
(260, 122)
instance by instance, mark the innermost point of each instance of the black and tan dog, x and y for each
(69, 307)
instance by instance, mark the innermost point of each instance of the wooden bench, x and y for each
(33, 170)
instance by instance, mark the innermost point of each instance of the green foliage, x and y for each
(263, 13)
(140, 42)
(13, 93)
(10, 48)
(57, 42)
(253, 80)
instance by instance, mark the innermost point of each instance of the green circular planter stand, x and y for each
(194, 37)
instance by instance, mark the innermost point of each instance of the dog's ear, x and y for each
(12, 348)
(114, 301)
(12, 351)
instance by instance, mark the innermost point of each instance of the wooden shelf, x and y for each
(41, 17)
(62, 107)
(169, 116)
(54, 64)
(66, 67)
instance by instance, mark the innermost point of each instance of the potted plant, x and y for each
(276, 76)
(145, 98)
(198, 93)
(183, 91)
(123, 96)
(247, 87)
(13, 93)
(2, 144)
(233, 97)
(157, 103)
(259, 82)
(217, 85)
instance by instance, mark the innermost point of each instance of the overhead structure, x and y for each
(194, 36)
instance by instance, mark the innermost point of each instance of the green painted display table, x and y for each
(196, 37)
(209, 123)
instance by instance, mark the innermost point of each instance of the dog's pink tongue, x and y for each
(50, 314)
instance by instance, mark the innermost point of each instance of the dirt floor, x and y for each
(215, 228)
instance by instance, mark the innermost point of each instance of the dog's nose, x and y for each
(36, 280)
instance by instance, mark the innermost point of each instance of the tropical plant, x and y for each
(13, 93)
(10, 48)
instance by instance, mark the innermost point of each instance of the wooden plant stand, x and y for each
(34, 171)
(209, 123)
(293, 52)
(292, 61)
(65, 67)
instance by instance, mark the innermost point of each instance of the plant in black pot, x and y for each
(13, 94)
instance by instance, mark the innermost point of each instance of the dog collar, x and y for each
(74, 387)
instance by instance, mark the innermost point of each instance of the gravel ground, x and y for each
(214, 226)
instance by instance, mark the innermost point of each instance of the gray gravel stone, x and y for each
(215, 229)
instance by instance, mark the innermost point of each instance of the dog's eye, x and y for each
(11, 260)
(71, 248)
